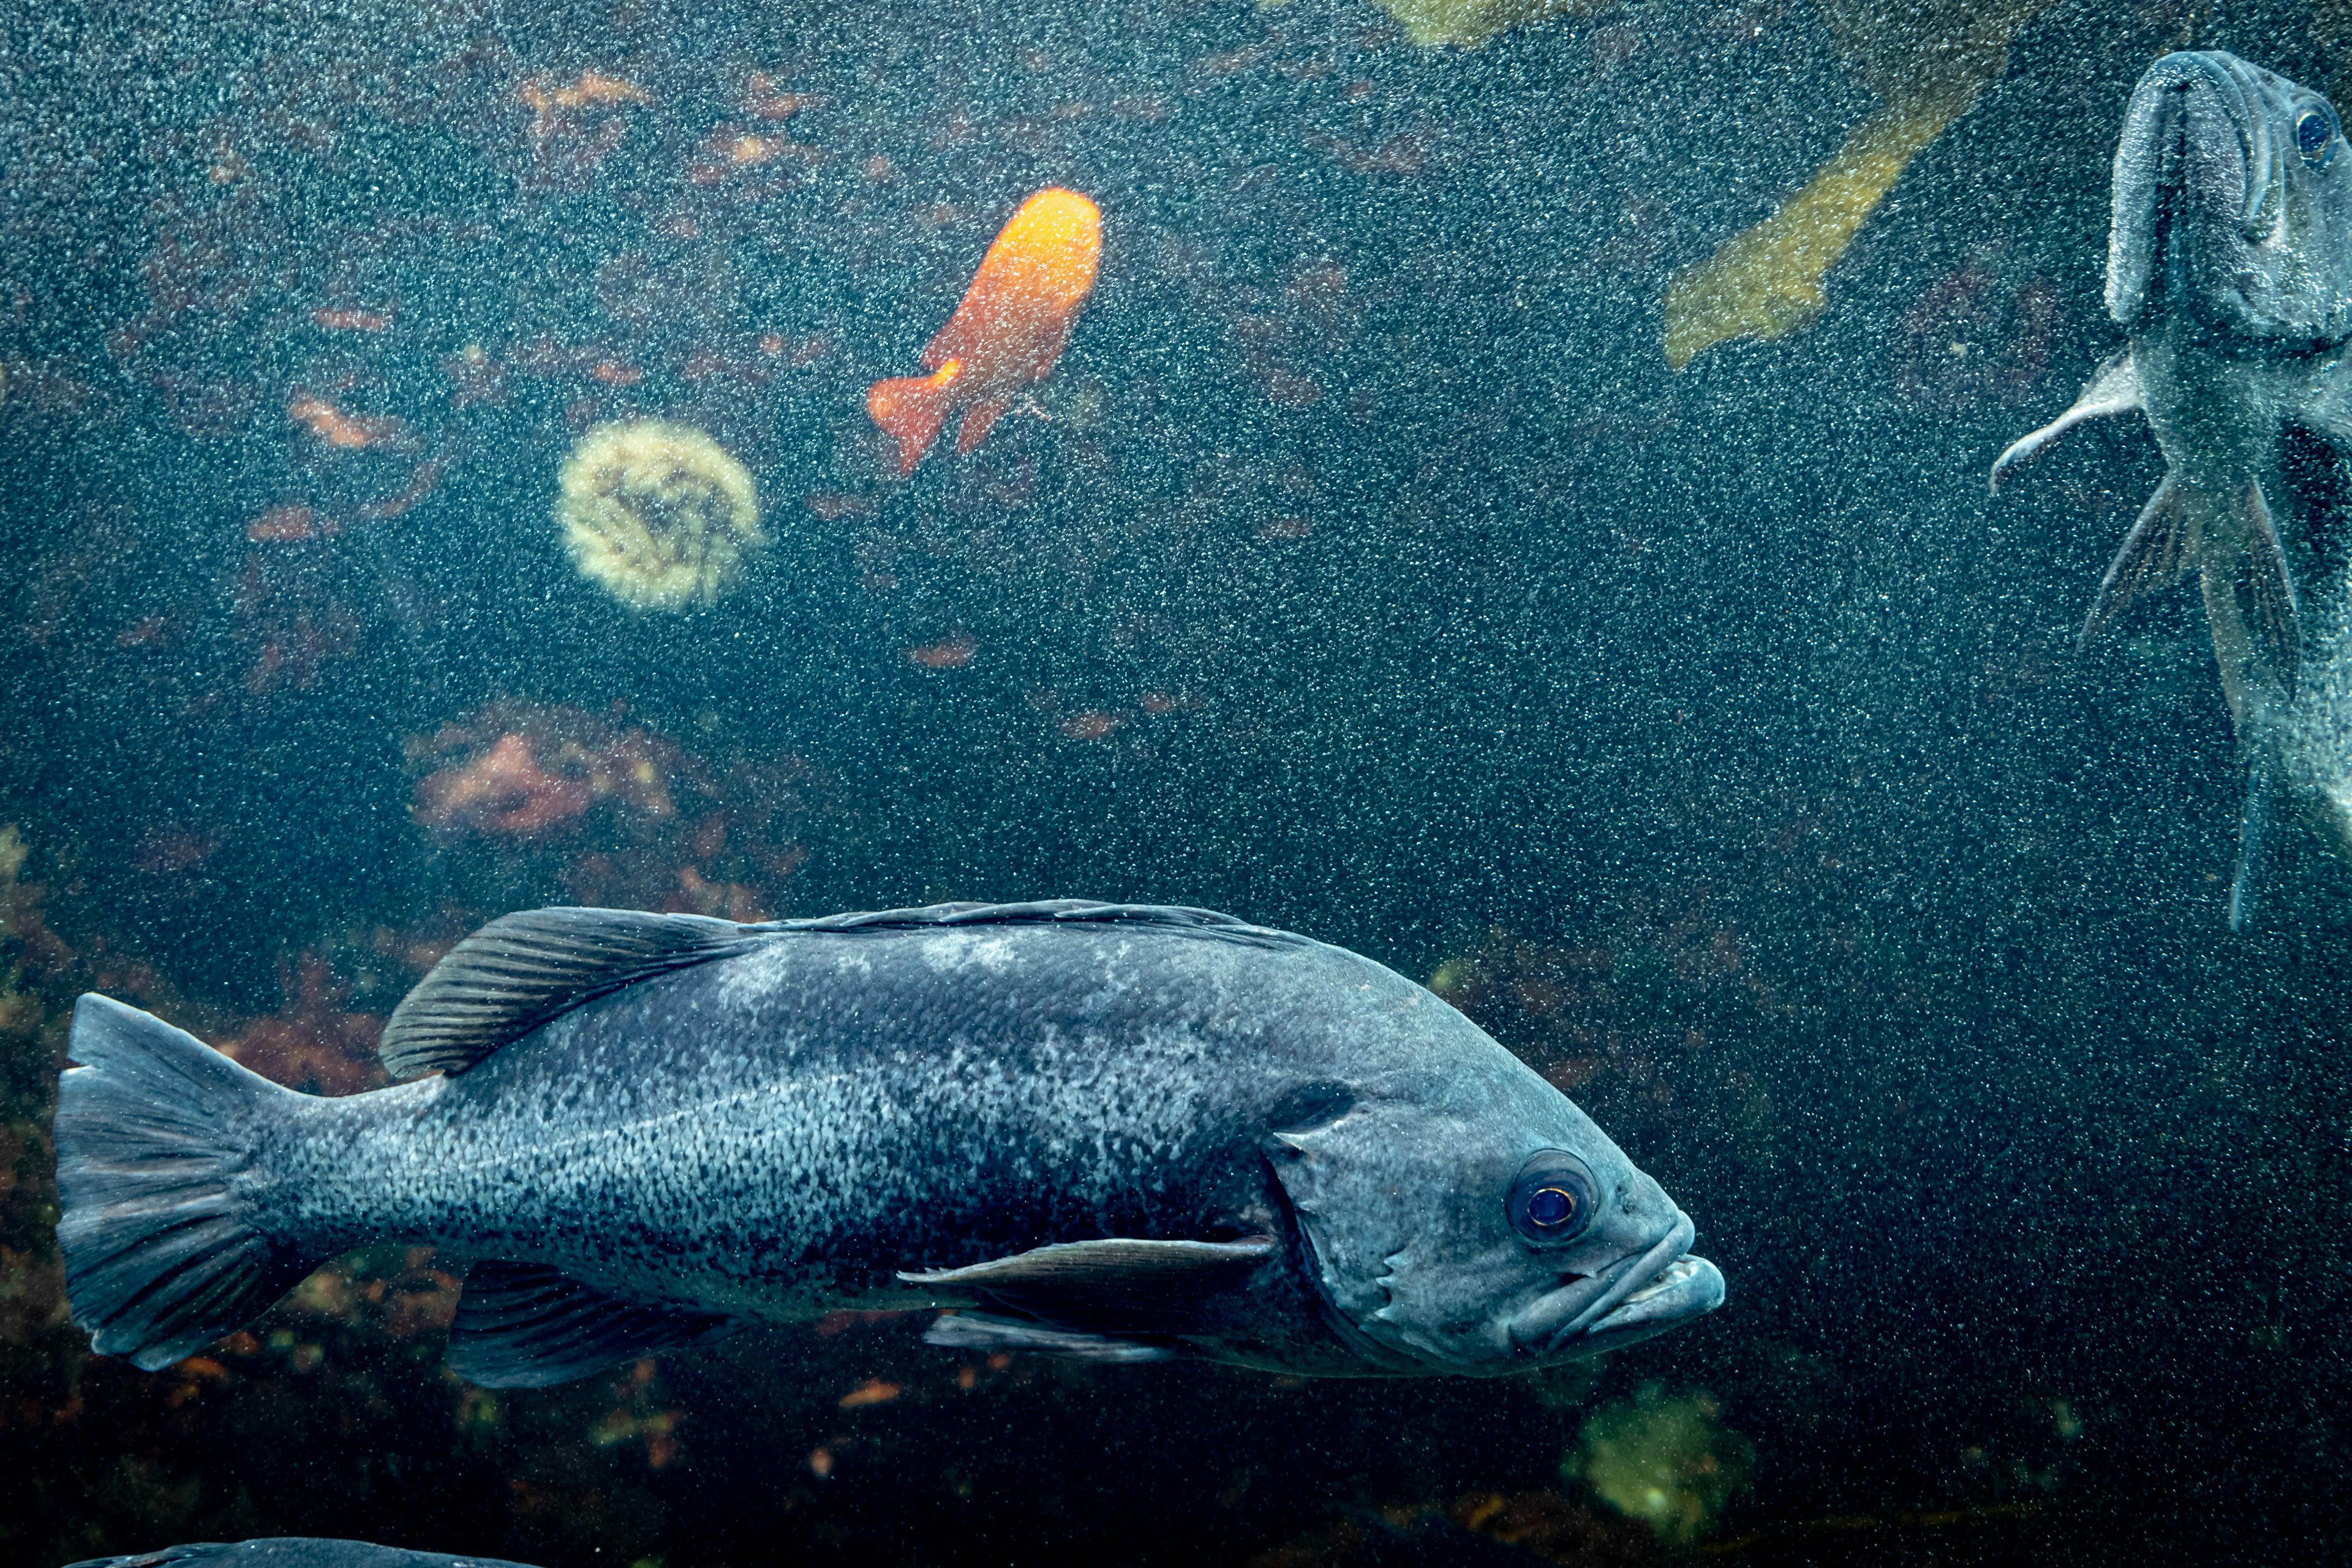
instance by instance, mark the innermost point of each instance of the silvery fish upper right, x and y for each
(2229, 268)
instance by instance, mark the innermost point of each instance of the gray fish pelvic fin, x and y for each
(2157, 551)
(2169, 539)
(524, 1325)
(522, 970)
(1116, 1286)
(987, 1333)
(2114, 388)
(2270, 585)
(156, 1133)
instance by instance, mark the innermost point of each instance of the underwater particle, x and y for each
(1667, 1460)
(1009, 329)
(660, 514)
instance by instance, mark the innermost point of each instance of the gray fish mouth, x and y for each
(1635, 1275)
(1648, 1292)
(1685, 1289)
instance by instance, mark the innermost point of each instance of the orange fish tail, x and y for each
(911, 409)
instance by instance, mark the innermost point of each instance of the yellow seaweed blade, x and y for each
(1766, 283)
(1432, 24)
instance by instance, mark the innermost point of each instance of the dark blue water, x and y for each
(1362, 568)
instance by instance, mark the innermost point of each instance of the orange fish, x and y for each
(1011, 326)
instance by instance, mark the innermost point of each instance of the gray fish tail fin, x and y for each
(2254, 830)
(156, 1132)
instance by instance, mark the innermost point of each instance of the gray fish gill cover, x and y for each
(1105, 1131)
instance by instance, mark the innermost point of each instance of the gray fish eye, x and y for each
(2314, 136)
(1553, 1198)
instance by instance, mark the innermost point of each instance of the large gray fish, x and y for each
(292, 1552)
(2229, 265)
(1107, 1131)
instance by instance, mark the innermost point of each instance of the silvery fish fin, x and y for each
(2114, 388)
(1115, 1285)
(2155, 553)
(521, 970)
(981, 1331)
(2271, 587)
(2254, 831)
(524, 1325)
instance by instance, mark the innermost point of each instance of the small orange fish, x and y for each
(1011, 326)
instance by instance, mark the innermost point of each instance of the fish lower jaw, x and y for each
(1686, 1287)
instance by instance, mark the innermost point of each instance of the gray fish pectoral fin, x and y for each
(2155, 553)
(524, 1325)
(2276, 611)
(1113, 1286)
(523, 968)
(2114, 388)
(981, 1331)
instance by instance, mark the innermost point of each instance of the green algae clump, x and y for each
(1667, 1460)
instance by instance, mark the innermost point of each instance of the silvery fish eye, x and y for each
(1554, 1197)
(2314, 136)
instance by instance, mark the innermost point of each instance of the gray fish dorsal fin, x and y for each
(523, 968)
(1179, 918)
(525, 1325)
(1115, 1286)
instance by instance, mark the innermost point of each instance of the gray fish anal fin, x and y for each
(2272, 587)
(2114, 388)
(990, 1334)
(2155, 554)
(525, 1325)
(523, 968)
(1111, 1286)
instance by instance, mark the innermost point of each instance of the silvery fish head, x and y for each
(1477, 1222)
(2232, 206)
